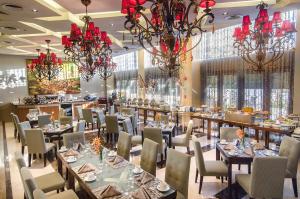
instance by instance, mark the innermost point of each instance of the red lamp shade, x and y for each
(91, 26)
(176, 47)
(127, 7)
(277, 17)
(237, 32)
(278, 32)
(286, 26)
(268, 27)
(246, 20)
(263, 15)
(163, 47)
(207, 3)
(103, 35)
(64, 40)
(135, 2)
(246, 29)
(179, 11)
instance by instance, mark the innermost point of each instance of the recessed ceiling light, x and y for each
(35, 10)
(11, 7)
(233, 17)
(112, 24)
(11, 28)
(225, 13)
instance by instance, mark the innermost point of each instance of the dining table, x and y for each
(119, 177)
(58, 131)
(232, 153)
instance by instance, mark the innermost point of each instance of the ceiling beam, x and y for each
(237, 4)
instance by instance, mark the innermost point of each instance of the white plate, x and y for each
(62, 150)
(232, 153)
(90, 179)
(269, 153)
(71, 159)
(163, 190)
(137, 171)
(112, 154)
(223, 143)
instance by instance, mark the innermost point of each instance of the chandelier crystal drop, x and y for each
(164, 27)
(265, 43)
(46, 66)
(85, 46)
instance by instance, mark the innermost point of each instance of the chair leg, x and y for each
(200, 184)
(188, 150)
(29, 160)
(22, 149)
(196, 177)
(45, 159)
(294, 180)
(222, 179)
(161, 160)
(239, 167)
(15, 133)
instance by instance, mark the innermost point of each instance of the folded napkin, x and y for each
(145, 177)
(87, 167)
(259, 146)
(228, 147)
(118, 160)
(141, 193)
(71, 152)
(107, 192)
(249, 151)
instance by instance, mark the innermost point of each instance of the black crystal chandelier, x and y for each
(166, 31)
(85, 46)
(266, 43)
(46, 66)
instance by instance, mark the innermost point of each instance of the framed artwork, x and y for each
(68, 81)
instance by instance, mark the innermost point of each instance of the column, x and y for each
(296, 99)
(141, 72)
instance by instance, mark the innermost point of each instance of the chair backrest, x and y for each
(28, 182)
(155, 135)
(15, 120)
(112, 124)
(70, 138)
(62, 112)
(189, 131)
(33, 111)
(124, 145)
(267, 178)
(290, 148)
(112, 110)
(21, 129)
(177, 175)
(100, 117)
(228, 133)
(44, 120)
(35, 141)
(198, 155)
(149, 156)
(128, 126)
(39, 194)
(78, 110)
(87, 115)
(80, 126)
(64, 120)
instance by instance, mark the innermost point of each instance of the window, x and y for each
(254, 91)
(126, 62)
(211, 98)
(12, 78)
(230, 91)
(127, 88)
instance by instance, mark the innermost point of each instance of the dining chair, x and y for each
(62, 112)
(228, 133)
(33, 111)
(64, 120)
(207, 168)
(47, 182)
(149, 156)
(128, 128)
(290, 148)
(70, 138)
(177, 172)
(69, 194)
(155, 134)
(36, 144)
(135, 121)
(88, 117)
(28, 183)
(78, 112)
(80, 126)
(266, 179)
(15, 119)
(22, 126)
(146, 102)
(112, 110)
(44, 120)
(112, 127)
(124, 145)
(185, 139)
(100, 121)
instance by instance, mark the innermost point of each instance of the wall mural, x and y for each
(68, 82)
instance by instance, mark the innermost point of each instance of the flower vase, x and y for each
(242, 143)
(100, 155)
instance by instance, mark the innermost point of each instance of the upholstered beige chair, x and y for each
(112, 127)
(48, 182)
(228, 133)
(44, 120)
(100, 121)
(69, 194)
(112, 110)
(184, 140)
(149, 156)
(266, 179)
(127, 111)
(80, 126)
(88, 117)
(177, 172)
(36, 144)
(16, 121)
(33, 111)
(78, 112)
(155, 135)
(28, 182)
(206, 168)
(62, 112)
(290, 148)
(146, 102)
(127, 125)
(64, 120)
(70, 138)
(124, 145)
(21, 129)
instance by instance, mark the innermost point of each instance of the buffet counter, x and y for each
(52, 108)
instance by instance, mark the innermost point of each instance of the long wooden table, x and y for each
(257, 128)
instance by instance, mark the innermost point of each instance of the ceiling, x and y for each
(23, 30)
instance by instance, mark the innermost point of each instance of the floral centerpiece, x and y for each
(241, 135)
(97, 145)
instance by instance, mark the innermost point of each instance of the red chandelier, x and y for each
(85, 46)
(166, 32)
(46, 65)
(267, 42)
